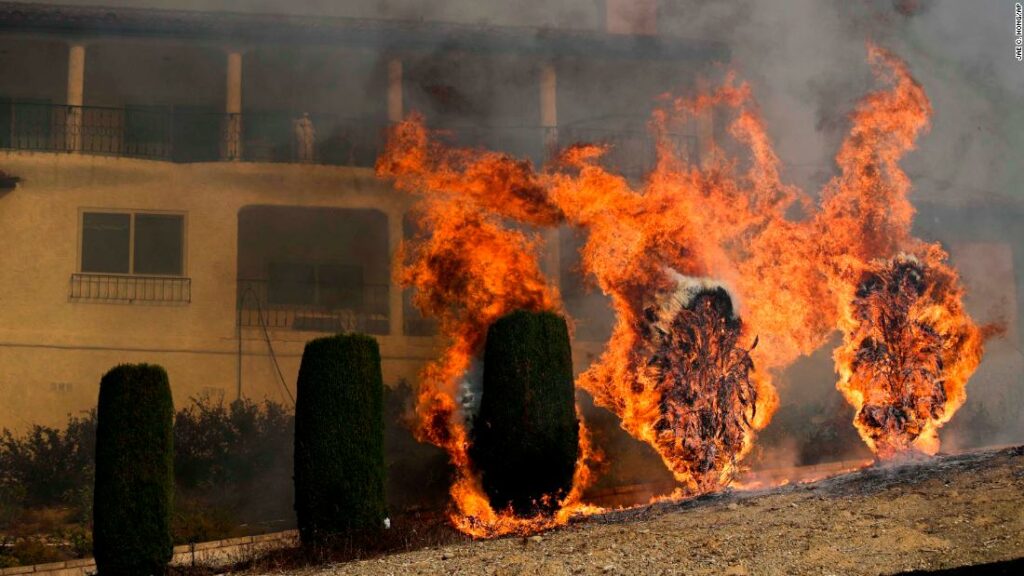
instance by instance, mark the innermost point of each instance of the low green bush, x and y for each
(233, 472)
(233, 466)
(48, 466)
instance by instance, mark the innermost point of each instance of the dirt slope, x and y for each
(942, 512)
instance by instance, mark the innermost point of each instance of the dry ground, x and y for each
(942, 512)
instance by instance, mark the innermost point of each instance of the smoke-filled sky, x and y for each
(805, 59)
(806, 62)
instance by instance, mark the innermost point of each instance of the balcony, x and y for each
(185, 135)
(312, 307)
(190, 135)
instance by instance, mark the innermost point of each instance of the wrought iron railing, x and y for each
(318, 308)
(189, 135)
(198, 135)
(311, 138)
(130, 288)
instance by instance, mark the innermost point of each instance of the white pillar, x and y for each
(549, 126)
(549, 105)
(233, 107)
(76, 95)
(396, 307)
(395, 103)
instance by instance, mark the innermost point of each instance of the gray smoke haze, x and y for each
(805, 60)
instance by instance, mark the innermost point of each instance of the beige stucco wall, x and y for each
(53, 351)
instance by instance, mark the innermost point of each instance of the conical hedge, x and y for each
(526, 435)
(134, 489)
(339, 439)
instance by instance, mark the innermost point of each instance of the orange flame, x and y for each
(468, 270)
(680, 372)
(908, 346)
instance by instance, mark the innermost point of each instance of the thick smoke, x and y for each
(804, 60)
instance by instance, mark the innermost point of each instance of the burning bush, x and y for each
(702, 381)
(339, 438)
(526, 435)
(134, 471)
(907, 355)
(677, 373)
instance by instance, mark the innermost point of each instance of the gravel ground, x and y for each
(936, 513)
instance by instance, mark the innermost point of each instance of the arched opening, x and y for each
(313, 269)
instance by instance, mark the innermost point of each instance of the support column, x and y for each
(76, 95)
(396, 227)
(233, 108)
(395, 103)
(549, 127)
(396, 307)
(549, 106)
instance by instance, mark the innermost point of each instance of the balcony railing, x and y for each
(189, 135)
(314, 308)
(124, 288)
(197, 135)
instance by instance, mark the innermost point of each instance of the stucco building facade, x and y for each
(196, 189)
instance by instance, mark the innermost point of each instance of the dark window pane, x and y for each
(159, 243)
(105, 239)
(340, 286)
(291, 283)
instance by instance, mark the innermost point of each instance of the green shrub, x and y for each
(526, 434)
(232, 467)
(339, 439)
(134, 472)
(29, 551)
(48, 466)
(199, 520)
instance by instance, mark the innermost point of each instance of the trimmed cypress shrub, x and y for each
(134, 472)
(339, 439)
(526, 435)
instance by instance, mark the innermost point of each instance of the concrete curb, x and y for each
(216, 553)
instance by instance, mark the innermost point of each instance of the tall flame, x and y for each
(908, 346)
(468, 270)
(682, 369)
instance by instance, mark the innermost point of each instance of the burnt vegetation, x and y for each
(703, 380)
(901, 354)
